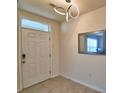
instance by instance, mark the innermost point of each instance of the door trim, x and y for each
(19, 52)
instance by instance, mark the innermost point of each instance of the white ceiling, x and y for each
(42, 7)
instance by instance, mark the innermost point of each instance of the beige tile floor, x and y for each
(58, 85)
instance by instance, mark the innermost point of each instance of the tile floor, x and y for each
(58, 85)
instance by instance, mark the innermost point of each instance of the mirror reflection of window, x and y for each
(92, 43)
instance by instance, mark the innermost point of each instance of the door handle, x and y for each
(23, 61)
(23, 58)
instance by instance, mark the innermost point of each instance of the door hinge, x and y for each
(50, 72)
(49, 38)
(49, 55)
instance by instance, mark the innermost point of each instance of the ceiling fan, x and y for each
(69, 14)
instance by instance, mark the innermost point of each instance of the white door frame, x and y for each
(19, 52)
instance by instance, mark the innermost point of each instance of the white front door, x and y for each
(35, 56)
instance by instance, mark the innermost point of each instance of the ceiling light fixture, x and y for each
(69, 13)
(68, 1)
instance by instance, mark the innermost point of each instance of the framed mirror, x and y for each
(93, 43)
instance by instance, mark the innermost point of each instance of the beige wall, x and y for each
(55, 32)
(88, 69)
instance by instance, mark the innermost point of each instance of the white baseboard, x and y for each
(18, 90)
(85, 84)
(55, 75)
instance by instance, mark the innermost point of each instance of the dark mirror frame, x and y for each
(87, 33)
